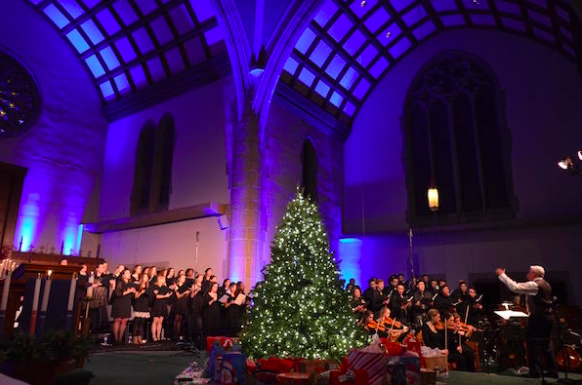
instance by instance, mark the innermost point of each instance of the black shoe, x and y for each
(551, 375)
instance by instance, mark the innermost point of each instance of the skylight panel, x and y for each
(377, 19)
(349, 109)
(349, 78)
(305, 41)
(78, 41)
(107, 90)
(202, 9)
(194, 51)
(122, 83)
(125, 12)
(390, 34)
(138, 76)
(367, 55)
(181, 19)
(483, 19)
(327, 11)
(513, 24)
(414, 15)
(95, 66)
(320, 53)
(92, 31)
(355, 42)
(306, 77)
(72, 8)
(108, 22)
(322, 89)
(161, 30)
(424, 30)
(360, 10)
(109, 58)
(505, 7)
(340, 28)
(156, 69)
(174, 60)
(147, 6)
(56, 16)
(213, 36)
(361, 89)
(336, 65)
(379, 67)
(336, 99)
(125, 49)
(399, 5)
(143, 41)
(444, 5)
(453, 20)
(291, 65)
(399, 48)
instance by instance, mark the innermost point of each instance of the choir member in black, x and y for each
(242, 309)
(433, 336)
(136, 273)
(426, 281)
(399, 305)
(141, 307)
(171, 278)
(146, 271)
(211, 313)
(196, 310)
(369, 292)
(476, 314)
(392, 289)
(161, 293)
(373, 297)
(224, 288)
(433, 287)
(230, 309)
(443, 301)
(461, 293)
(180, 305)
(382, 298)
(82, 283)
(154, 276)
(206, 280)
(189, 277)
(121, 305)
(420, 303)
(357, 303)
(99, 300)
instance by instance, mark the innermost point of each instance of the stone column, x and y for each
(245, 192)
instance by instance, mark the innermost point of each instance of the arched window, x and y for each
(456, 138)
(142, 176)
(164, 156)
(309, 170)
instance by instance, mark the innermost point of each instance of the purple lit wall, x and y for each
(64, 150)
(543, 117)
(199, 175)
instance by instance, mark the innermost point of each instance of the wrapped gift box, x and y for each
(267, 369)
(311, 366)
(294, 378)
(233, 368)
(358, 377)
(371, 359)
(225, 342)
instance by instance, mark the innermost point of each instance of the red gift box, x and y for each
(225, 342)
(371, 359)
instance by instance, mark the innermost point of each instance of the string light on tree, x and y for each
(300, 308)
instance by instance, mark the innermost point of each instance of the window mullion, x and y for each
(456, 173)
(478, 154)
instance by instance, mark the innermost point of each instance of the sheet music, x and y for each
(507, 314)
(224, 298)
(240, 299)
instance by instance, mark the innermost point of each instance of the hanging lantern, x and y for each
(433, 197)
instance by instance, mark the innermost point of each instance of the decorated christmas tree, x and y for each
(300, 308)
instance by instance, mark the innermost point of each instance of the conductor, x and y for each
(539, 328)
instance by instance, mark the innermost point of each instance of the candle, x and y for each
(72, 292)
(47, 291)
(90, 288)
(37, 284)
(5, 290)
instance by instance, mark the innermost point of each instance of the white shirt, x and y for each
(528, 288)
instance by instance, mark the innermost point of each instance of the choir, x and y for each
(182, 306)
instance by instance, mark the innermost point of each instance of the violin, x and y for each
(392, 323)
(441, 326)
(373, 325)
(572, 355)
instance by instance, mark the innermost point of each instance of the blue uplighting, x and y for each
(106, 89)
(379, 67)
(320, 53)
(109, 58)
(122, 83)
(108, 22)
(322, 88)
(361, 89)
(72, 8)
(213, 36)
(125, 49)
(305, 40)
(336, 99)
(27, 221)
(202, 9)
(78, 41)
(56, 16)
(125, 12)
(349, 78)
(306, 77)
(414, 15)
(336, 65)
(354, 42)
(95, 66)
(350, 254)
(291, 65)
(339, 29)
(377, 19)
(92, 31)
(326, 13)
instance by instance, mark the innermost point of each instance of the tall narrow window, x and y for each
(142, 177)
(164, 156)
(455, 137)
(309, 170)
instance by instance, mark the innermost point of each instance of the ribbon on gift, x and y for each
(371, 359)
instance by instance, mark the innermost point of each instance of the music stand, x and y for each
(509, 314)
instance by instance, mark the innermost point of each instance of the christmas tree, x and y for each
(300, 308)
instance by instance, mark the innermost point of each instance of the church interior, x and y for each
(437, 137)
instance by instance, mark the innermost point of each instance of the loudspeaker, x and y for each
(223, 222)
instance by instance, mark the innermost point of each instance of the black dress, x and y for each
(121, 304)
(141, 305)
(211, 316)
(180, 306)
(160, 308)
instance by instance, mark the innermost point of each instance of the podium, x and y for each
(19, 295)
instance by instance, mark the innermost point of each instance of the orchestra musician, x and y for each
(421, 303)
(539, 304)
(357, 303)
(399, 305)
(476, 316)
(443, 302)
(433, 335)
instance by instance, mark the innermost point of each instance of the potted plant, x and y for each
(34, 362)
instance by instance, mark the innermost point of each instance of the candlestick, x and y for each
(62, 247)
(21, 241)
(47, 290)
(72, 292)
(5, 290)
(35, 298)
(98, 250)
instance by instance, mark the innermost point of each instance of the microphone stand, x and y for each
(412, 278)
(565, 354)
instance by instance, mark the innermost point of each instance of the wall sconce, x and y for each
(433, 197)
(568, 164)
(580, 154)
